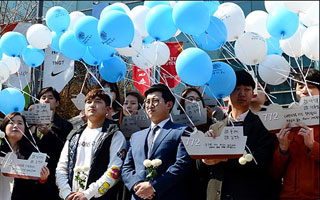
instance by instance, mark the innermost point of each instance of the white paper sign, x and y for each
(230, 144)
(196, 113)
(307, 112)
(40, 114)
(79, 101)
(19, 168)
(134, 123)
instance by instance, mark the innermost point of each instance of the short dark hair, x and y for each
(55, 93)
(99, 93)
(165, 92)
(138, 96)
(113, 88)
(313, 75)
(244, 78)
(184, 94)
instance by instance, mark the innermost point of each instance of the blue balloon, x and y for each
(148, 40)
(222, 82)
(33, 57)
(12, 100)
(212, 6)
(159, 23)
(214, 37)
(151, 4)
(86, 31)
(191, 17)
(55, 41)
(113, 70)
(102, 51)
(89, 59)
(71, 47)
(116, 29)
(194, 66)
(58, 19)
(282, 23)
(274, 46)
(13, 44)
(111, 7)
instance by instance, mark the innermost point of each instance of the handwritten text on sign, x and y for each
(230, 142)
(307, 112)
(40, 114)
(196, 113)
(19, 168)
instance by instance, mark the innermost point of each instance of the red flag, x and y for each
(8, 27)
(168, 74)
(141, 78)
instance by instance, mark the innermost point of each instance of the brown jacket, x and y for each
(299, 168)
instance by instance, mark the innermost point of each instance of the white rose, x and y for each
(83, 177)
(77, 169)
(248, 157)
(156, 162)
(86, 168)
(242, 161)
(2, 134)
(147, 163)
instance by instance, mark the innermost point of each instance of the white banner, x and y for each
(58, 70)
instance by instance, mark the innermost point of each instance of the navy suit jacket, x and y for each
(176, 163)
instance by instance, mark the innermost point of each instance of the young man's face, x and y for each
(96, 109)
(241, 97)
(156, 108)
(302, 90)
(49, 98)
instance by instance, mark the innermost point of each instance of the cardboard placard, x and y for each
(196, 113)
(134, 123)
(307, 112)
(26, 169)
(230, 144)
(79, 101)
(40, 114)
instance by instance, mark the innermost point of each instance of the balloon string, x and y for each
(29, 89)
(291, 91)
(84, 81)
(19, 80)
(23, 91)
(191, 41)
(225, 47)
(178, 43)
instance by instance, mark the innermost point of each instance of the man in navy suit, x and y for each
(162, 141)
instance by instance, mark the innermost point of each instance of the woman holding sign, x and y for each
(16, 133)
(296, 160)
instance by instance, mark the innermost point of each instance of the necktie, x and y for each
(151, 135)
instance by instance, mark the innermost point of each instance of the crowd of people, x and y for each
(95, 160)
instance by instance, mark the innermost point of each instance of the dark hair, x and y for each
(184, 94)
(138, 96)
(165, 92)
(49, 89)
(244, 78)
(99, 93)
(113, 88)
(23, 143)
(312, 75)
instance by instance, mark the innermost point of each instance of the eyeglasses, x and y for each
(191, 98)
(153, 102)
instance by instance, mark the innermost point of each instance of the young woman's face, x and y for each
(191, 97)
(130, 105)
(14, 128)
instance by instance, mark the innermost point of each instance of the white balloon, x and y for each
(292, 45)
(256, 22)
(39, 36)
(75, 16)
(145, 58)
(311, 17)
(134, 49)
(251, 48)
(13, 63)
(233, 17)
(138, 15)
(123, 6)
(271, 5)
(4, 72)
(274, 70)
(162, 52)
(310, 43)
(298, 6)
